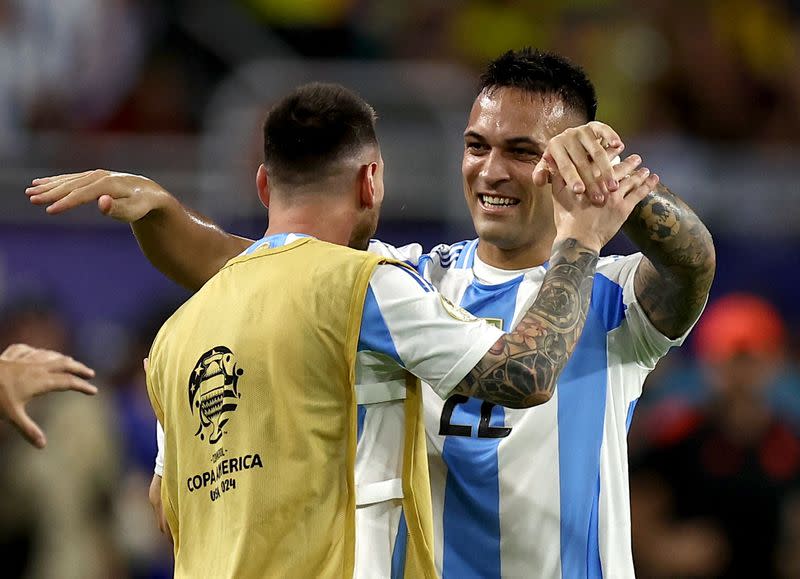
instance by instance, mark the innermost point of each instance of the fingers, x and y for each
(65, 195)
(586, 169)
(602, 171)
(57, 186)
(642, 191)
(28, 428)
(541, 174)
(608, 137)
(626, 167)
(60, 381)
(75, 197)
(583, 157)
(558, 158)
(43, 180)
(72, 366)
(633, 181)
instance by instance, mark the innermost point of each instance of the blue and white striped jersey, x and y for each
(541, 492)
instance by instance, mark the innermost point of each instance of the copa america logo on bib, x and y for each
(213, 391)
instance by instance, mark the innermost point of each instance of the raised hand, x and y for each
(576, 217)
(582, 156)
(122, 196)
(26, 372)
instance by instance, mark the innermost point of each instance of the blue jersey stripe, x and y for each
(629, 419)
(472, 489)
(400, 547)
(361, 417)
(581, 417)
(374, 335)
(463, 260)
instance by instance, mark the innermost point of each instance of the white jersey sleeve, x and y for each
(646, 341)
(159, 468)
(407, 322)
(410, 254)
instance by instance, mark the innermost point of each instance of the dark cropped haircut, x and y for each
(537, 71)
(312, 129)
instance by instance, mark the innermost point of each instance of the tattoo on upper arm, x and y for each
(522, 367)
(673, 280)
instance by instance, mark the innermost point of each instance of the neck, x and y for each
(532, 255)
(326, 221)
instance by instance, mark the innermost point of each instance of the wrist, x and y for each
(573, 242)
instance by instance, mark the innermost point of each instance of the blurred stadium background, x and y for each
(708, 92)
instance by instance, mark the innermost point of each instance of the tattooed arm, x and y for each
(673, 279)
(522, 367)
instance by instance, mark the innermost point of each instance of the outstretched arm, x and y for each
(185, 246)
(522, 367)
(673, 280)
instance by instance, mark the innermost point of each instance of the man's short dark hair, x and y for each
(537, 71)
(313, 128)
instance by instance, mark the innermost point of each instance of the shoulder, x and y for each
(447, 256)
(410, 253)
(618, 268)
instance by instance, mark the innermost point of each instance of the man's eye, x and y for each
(523, 152)
(476, 147)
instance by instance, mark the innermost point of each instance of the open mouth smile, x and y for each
(496, 202)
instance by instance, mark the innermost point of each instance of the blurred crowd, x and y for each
(720, 71)
(715, 444)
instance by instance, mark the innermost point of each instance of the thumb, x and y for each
(540, 173)
(105, 203)
(28, 428)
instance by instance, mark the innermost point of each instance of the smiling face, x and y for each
(507, 132)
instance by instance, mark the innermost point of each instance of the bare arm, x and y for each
(522, 367)
(185, 246)
(673, 280)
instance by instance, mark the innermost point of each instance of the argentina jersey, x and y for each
(540, 492)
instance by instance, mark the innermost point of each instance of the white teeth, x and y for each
(501, 201)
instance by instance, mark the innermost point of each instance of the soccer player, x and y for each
(259, 465)
(26, 372)
(544, 491)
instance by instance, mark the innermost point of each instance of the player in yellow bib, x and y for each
(283, 383)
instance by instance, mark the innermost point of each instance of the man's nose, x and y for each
(494, 168)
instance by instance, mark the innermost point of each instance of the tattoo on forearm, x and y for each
(673, 282)
(522, 367)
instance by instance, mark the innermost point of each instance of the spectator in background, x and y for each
(708, 496)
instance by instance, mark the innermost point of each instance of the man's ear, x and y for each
(366, 178)
(262, 185)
